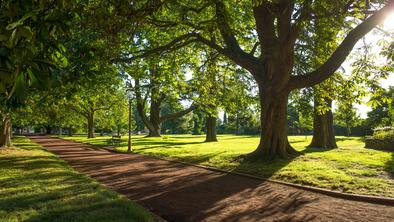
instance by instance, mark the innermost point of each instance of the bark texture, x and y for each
(90, 119)
(5, 134)
(323, 127)
(154, 118)
(211, 129)
(273, 141)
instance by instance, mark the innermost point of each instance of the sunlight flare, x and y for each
(389, 22)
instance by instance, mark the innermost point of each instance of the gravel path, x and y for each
(179, 192)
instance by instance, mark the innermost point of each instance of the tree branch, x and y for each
(343, 50)
(224, 28)
(173, 45)
(83, 113)
(254, 48)
(178, 114)
(265, 27)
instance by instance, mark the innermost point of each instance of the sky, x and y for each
(373, 37)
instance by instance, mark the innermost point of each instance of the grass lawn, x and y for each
(35, 185)
(350, 168)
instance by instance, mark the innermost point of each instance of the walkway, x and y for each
(179, 192)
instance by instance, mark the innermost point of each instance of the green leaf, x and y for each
(44, 33)
(12, 40)
(20, 86)
(20, 22)
(25, 31)
(3, 38)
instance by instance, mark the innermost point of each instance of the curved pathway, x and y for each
(179, 192)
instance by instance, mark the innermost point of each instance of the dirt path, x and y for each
(178, 192)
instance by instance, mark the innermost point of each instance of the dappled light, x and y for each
(349, 168)
(221, 110)
(38, 186)
(204, 195)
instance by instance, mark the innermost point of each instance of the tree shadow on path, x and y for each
(178, 192)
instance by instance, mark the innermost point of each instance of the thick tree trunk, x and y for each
(211, 129)
(90, 119)
(323, 128)
(154, 119)
(273, 141)
(5, 134)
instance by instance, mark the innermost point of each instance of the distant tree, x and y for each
(346, 115)
(115, 118)
(156, 82)
(100, 93)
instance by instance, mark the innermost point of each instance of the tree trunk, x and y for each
(70, 131)
(348, 130)
(273, 141)
(237, 123)
(118, 131)
(5, 134)
(323, 127)
(211, 129)
(91, 125)
(48, 129)
(154, 118)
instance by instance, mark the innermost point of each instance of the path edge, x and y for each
(156, 217)
(388, 201)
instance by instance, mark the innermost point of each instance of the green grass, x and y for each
(350, 168)
(35, 185)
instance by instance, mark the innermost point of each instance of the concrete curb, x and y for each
(346, 196)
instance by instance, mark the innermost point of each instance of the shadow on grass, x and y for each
(389, 166)
(181, 193)
(315, 150)
(161, 143)
(348, 138)
(44, 188)
(264, 168)
(257, 165)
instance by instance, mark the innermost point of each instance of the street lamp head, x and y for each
(129, 89)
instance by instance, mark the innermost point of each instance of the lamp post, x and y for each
(129, 95)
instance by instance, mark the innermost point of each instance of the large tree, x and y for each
(29, 51)
(261, 37)
(156, 81)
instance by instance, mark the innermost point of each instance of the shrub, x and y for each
(384, 133)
